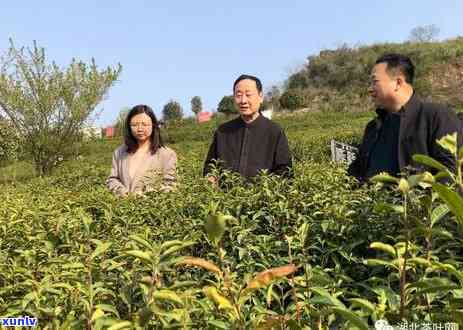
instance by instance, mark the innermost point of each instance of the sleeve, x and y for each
(357, 167)
(114, 182)
(282, 161)
(169, 175)
(445, 122)
(211, 156)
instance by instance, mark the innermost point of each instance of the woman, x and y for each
(143, 163)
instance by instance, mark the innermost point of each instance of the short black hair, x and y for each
(155, 138)
(399, 62)
(247, 76)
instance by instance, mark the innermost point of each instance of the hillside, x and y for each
(340, 77)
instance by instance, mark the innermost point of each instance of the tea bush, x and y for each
(300, 253)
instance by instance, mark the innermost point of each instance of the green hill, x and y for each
(338, 79)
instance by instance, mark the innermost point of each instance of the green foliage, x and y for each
(292, 99)
(47, 105)
(10, 142)
(120, 121)
(196, 105)
(172, 111)
(272, 98)
(227, 105)
(311, 252)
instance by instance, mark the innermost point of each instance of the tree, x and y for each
(425, 33)
(272, 98)
(49, 105)
(196, 105)
(10, 142)
(292, 99)
(172, 111)
(227, 105)
(120, 121)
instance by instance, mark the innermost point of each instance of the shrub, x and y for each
(227, 105)
(292, 99)
(172, 111)
(196, 105)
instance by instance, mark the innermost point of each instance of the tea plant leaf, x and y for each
(438, 231)
(365, 304)
(141, 241)
(143, 256)
(121, 325)
(100, 249)
(384, 178)
(384, 247)
(62, 285)
(434, 284)
(168, 244)
(353, 318)
(215, 227)
(416, 179)
(429, 161)
(303, 232)
(73, 265)
(199, 262)
(269, 294)
(107, 308)
(176, 248)
(167, 295)
(222, 302)
(266, 277)
(386, 207)
(449, 143)
(419, 261)
(379, 262)
(389, 295)
(438, 213)
(116, 265)
(98, 313)
(453, 200)
(329, 299)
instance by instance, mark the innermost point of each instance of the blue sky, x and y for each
(179, 49)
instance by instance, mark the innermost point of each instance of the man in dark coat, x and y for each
(405, 125)
(251, 142)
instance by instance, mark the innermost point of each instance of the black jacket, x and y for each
(421, 124)
(249, 148)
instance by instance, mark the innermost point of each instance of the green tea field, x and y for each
(313, 252)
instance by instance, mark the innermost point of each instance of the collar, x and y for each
(407, 109)
(255, 123)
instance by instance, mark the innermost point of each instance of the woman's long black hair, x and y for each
(155, 137)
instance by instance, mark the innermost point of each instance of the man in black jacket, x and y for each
(404, 126)
(251, 142)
